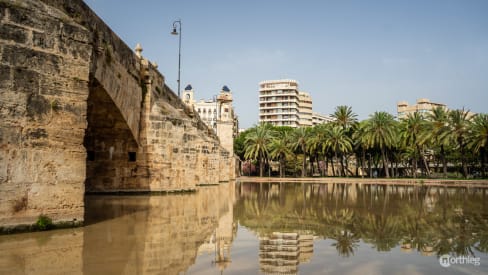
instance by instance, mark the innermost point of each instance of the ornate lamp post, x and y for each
(175, 32)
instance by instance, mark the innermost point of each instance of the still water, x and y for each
(267, 228)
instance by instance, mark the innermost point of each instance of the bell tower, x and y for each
(188, 96)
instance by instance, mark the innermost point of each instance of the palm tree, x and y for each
(316, 141)
(460, 122)
(280, 148)
(299, 142)
(478, 138)
(412, 128)
(347, 119)
(380, 131)
(439, 133)
(339, 142)
(360, 144)
(257, 144)
(344, 117)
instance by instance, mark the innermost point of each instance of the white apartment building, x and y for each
(279, 102)
(423, 106)
(304, 109)
(320, 119)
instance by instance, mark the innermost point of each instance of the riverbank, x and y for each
(483, 183)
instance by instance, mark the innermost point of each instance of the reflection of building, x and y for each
(218, 113)
(423, 106)
(219, 243)
(282, 252)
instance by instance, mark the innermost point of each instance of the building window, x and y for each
(132, 156)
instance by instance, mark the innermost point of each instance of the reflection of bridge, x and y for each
(126, 235)
(79, 110)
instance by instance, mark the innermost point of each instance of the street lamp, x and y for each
(175, 32)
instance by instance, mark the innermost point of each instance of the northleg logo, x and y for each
(447, 260)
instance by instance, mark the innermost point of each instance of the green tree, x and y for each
(460, 123)
(257, 144)
(412, 128)
(380, 131)
(339, 142)
(299, 143)
(280, 149)
(478, 138)
(439, 133)
(344, 117)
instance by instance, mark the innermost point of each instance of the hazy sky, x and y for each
(365, 54)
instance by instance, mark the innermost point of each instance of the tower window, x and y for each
(132, 156)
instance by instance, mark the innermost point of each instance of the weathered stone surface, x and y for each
(79, 111)
(14, 33)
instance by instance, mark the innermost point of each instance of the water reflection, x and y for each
(129, 235)
(430, 220)
(272, 228)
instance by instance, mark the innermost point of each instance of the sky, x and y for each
(365, 54)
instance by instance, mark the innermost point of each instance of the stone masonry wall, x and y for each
(80, 111)
(44, 73)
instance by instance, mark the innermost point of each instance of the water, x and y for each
(258, 228)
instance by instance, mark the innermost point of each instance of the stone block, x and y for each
(43, 40)
(33, 19)
(5, 77)
(25, 80)
(13, 33)
(34, 60)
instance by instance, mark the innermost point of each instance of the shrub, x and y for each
(44, 223)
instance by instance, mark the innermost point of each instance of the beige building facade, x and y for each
(217, 113)
(281, 103)
(320, 119)
(304, 109)
(422, 106)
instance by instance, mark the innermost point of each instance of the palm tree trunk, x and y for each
(282, 165)
(363, 162)
(414, 167)
(261, 166)
(343, 172)
(463, 161)
(444, 161)
(385, 162)
(370, 168)
(332, 165)
(326, 166)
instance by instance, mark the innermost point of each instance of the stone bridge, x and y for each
(81, 112)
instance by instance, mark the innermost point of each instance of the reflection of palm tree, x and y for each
(346, 243)
(382, 230)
